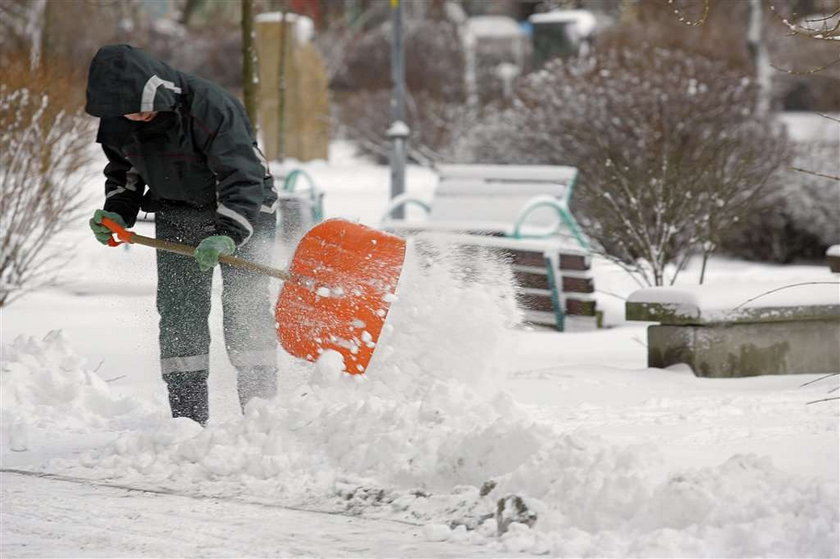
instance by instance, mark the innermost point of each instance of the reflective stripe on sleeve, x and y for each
(131, 180)
(238, 218)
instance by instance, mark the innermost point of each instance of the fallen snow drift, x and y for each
(729, 301)
(45, 384)
(430, 436)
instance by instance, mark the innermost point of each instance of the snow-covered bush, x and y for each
(45, 148)
(798, 218)
(670, 150)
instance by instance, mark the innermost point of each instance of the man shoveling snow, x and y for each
(183, 147)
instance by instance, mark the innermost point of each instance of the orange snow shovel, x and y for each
(336, 293)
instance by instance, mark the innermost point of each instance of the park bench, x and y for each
(736, 331)
(520, 212)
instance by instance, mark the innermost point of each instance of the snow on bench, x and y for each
(521, 212)
(743, 330)
(517, 201)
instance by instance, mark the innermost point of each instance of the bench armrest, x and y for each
(562, 213)
(404, 199)
(316, 194)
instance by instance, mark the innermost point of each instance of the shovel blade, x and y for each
(344, 276)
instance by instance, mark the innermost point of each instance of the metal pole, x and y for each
(757, 45)
(398, 132)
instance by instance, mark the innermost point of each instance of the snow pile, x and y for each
(45, 384)
(428, 412)
(580, 497)
(724, 301)
(614, 500)
(428, 436)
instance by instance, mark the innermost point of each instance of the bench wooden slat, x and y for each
(560, 173)
(534, 302)
(526, 258)
(475, 211)
(520, 189)
(578, 285)
(531, 280)
(573, 262)
(575, 306)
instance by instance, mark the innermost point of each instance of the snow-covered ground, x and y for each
(458, 411)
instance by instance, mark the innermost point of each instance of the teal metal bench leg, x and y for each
(556, 300)
(574, 228)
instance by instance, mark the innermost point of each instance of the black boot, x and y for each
(188, 395)
(260, 382)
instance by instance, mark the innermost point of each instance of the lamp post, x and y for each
(398, 131)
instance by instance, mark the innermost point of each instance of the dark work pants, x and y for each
(183, 303)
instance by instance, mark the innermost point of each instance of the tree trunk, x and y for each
(35, 25)
(281, 123)
(757, 47)
(190, 8)
(250, 80)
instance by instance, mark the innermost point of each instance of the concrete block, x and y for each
(748, 349)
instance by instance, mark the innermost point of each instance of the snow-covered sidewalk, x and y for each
(459, 411)
(53, 518)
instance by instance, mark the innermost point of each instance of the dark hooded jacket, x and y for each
(199, 150)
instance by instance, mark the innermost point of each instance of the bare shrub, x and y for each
(210, 48)
(212, 53)
(808, 73)
(46, 147)
(718, 33)
(797, 219)
(670, 150)
(802, 45)
(433, 60)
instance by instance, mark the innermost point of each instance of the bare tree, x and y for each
(434, 89)
(22, 23)
(670, 149)
(42, 163)
(823, 27)
(189, 9)
(250, 79)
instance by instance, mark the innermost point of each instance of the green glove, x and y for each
(207, 252)
(101, 232)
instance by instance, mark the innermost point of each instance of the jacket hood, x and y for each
(123, 79)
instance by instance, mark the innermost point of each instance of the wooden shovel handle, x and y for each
(131, 237)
